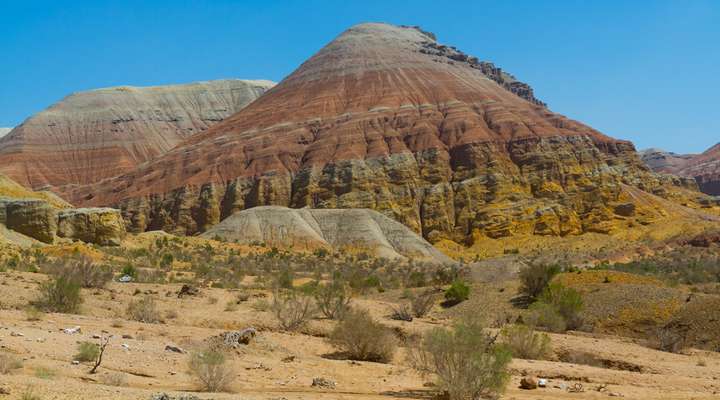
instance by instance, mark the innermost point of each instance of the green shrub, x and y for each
(87, 351)
(567, 301)
(129, 270)
(466, 360)
(535, 278)
(364, 339)
(457, 293)
(60, 294)
(525, 343)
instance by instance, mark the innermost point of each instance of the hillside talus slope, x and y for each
(344, 230)
(102, 133)
(386, 118)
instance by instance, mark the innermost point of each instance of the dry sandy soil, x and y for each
(266, 369)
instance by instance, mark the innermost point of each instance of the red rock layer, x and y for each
(102, 133)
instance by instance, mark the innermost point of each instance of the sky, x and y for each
(646, 71)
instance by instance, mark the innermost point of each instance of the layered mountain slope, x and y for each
(664, 161)
(705, 168)
(336, 230)
(386, 118)
(101, 133)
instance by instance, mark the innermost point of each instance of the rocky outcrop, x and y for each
(30, 217)
(42, 216)
(376, 120)
(103, 226)
(101, 133)
(347, 230)
(664, 161)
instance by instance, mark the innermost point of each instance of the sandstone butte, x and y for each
(102, 133)
(386, 118)
(704, 167)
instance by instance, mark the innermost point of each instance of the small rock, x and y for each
(542, 382)
(323, 383)
(72, 331)
(174, 349)
(125, 346)
(288, 359)
(127, 336)
(528, 383)
(188, 290)
(125, 279)
(96, 336)
(75, 362)
(615, 394)
(17, 334)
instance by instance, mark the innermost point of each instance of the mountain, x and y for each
(664, 161)
(704, 168)
(386, 118)
(365, 231)
(101, 133)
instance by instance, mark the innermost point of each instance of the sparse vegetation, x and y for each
(525, 343)
(458, 292)
(467, 362)
(422, 304)
(211, 369)
(534, 278)
(60, 294)
(566, 301)
(87, 351)
(333, 299)
(144, 310)
(292, 309)
(362, 338)
(9, 363)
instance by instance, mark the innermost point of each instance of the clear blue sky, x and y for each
(648, 71)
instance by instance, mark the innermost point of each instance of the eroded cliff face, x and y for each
(704, 168)
(89, 136)
(435, 139)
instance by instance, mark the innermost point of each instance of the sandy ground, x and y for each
(266, 369)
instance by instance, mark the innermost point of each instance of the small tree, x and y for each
(333, 299)
(525, 343)
(211, 369)
(535, 277)
(60, 294)
(364, 339)
(292, 309)
(467, 361)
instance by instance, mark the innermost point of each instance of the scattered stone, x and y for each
(528, 383)
(323, 383)
(288, 359)
(125, 279)
(234, 339)
(165, 396)
(174, 349)
(16, 334)
(72, 331)
(542, 382)
(125, 346)
(188, 290)
(126, 336)
(615, 394)
(96, 336)
(75, 362)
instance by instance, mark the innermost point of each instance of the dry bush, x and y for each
(9, 363)
(546, 316)
(364, 339)
(423, 303)
(87, 351)
(211, 369)
(525, 343)
(401, 312)
(535, 278)
(114, 379)
(144, 310)
(466, 360)
(293, 310)
(60, 294)
(333, 299)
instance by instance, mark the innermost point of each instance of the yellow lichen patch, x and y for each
(637, 319)
(73, 250)
(9, 188)
(583, 278)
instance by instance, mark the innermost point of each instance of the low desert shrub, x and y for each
(114, 379)
(87, 351)
(9, 363)
(525, 343)
(144, 310)
(293, 310)
(546, 316)
(402, 312)
(422, 303)
(210, 368)
(60, 294)
(467, 361)
(567, 301)
(458, 292)
(535, 278)
(333, 299)
(362, 338)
